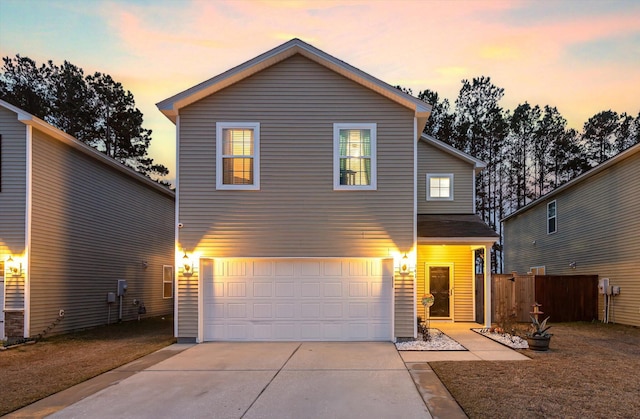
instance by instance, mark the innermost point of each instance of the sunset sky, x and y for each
(581, 56)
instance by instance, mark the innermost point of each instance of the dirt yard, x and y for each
(32, 372)
(592, 370)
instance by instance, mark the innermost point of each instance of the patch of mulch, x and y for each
(32, 372)
(591, 370)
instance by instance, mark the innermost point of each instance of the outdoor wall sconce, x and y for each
(14, 268)
(572, 265)
(405, 268)
(187, 265)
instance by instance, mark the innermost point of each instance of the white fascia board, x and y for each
(171, 106)
(35, 122)
(477, 164)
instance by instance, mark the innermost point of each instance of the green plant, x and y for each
(539, 328)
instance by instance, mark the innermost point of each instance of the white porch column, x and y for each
(487, 287)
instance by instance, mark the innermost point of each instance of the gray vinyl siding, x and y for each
(434, 160)
(598, 228)
(92, 225)
(404, 312)
(13, 151)
(296, 212)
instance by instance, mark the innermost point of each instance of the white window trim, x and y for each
(428, 191)
(336, 156)
(256, 154)
(168, 281)
(535, 270)
(555, 216)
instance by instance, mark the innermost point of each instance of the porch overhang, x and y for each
(461, 230)
(454, 228)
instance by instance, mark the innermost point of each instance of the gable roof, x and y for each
(170, 107)
(586, 175)
(31, 120)
(478, 165)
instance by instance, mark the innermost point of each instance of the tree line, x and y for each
(95, 109)
(529, 150)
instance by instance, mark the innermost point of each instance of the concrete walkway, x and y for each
(479, 348)
(276, 380)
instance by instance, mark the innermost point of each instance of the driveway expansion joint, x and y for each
(270, 381)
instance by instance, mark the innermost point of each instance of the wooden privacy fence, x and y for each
(564, 298)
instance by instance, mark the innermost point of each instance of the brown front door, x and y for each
(440, 287)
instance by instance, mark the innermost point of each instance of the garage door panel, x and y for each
(237, 311)
(263, 289)
(332, 310)
(332, 289)
(332, 268)
(358, 289)
(358, 310)
(285, 311)
(285, 289)
(237, 289)
(262, 268)
(310, 289)
(310, 269)
(297, 300)
(262, 311)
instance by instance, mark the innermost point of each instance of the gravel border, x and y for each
(438, 342)
(513, 342)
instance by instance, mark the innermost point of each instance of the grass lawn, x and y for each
(591, 371)
(32, 372)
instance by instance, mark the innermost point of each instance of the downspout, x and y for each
(487, 289)
(176, 312)
(416, 138)
(27, 257)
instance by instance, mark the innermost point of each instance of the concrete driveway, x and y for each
(263, 380)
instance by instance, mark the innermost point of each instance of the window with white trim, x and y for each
(167, 281)
(537, 270)
(552, 217)
(354, 156)
(439, 187)
(237, 155)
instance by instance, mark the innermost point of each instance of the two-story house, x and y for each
(310, 207)
(588, 226)
(73, 222)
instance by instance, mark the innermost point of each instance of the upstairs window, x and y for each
(354, 165)
(439, 187)
(238, 155)
(552, 218)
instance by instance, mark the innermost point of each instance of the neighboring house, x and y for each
(72, 223)
(590, 225)
(303, 206)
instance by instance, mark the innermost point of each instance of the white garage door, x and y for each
(297, 299)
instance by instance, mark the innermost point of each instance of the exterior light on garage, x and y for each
(404, 265)
(187, 265)
(13, 267)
